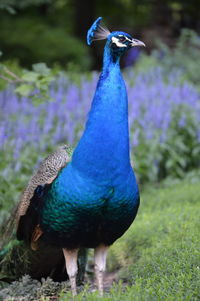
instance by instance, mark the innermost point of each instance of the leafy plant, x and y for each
(183, 57)
(181, 151)
(34, 84)
(41, 42)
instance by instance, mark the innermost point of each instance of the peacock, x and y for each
(87, 199)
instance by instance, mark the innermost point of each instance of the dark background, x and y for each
(50, 31)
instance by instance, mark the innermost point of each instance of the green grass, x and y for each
(160, 254)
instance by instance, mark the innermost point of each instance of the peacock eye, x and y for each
(122, 39)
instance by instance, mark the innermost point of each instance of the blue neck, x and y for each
(103, 151)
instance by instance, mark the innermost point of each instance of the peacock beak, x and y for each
(137, 43)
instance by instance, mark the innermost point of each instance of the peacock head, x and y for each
(117, 41)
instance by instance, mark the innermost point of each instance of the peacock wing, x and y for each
(45, 174)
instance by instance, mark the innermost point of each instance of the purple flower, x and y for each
(153, 100)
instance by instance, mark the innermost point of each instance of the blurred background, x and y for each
(54, 31)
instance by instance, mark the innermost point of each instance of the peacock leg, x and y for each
(100, 254)
(71, 267)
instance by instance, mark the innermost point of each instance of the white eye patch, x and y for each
(117, 42)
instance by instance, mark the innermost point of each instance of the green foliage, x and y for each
(35, 41)
(11, 5)
(181, 151)
(33, 83)
(37, 80)
(183, 57)
(12, 183)
(175, 156)
(7, 5)
(5, 68)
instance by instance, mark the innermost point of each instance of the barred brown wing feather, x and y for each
(46, 173)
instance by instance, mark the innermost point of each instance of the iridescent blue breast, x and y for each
(78, 212)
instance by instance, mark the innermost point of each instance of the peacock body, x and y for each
(93, 199)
